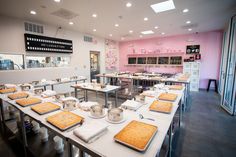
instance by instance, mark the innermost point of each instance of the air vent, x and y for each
(190, 26)
(34, 28)
(65, 14)
(88, 39)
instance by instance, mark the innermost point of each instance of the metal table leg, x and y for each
(170, 139)
(86, 95)
(106, 98)
(180, 113)
(52, 87)
(70, 149)
(116, 98)
(23, 132)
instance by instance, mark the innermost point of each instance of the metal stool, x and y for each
(209, 84)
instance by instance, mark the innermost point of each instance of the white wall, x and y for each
(12, 41)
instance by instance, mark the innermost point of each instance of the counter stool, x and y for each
(209, 84)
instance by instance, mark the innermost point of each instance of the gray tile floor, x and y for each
(207, 130)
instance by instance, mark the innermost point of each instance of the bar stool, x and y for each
(209, 84)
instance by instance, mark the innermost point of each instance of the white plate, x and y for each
(121, 121)
(91, 116)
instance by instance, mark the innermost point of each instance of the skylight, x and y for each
(163, 6)
(147, 32)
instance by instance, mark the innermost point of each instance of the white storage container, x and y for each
(193, 68)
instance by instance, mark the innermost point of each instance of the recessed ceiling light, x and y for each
(110, 35)
(71, 23)
(145, 19)
(94, 15)
(57, 1)
(122, 38)
(116, 25)
(162, 33)
(156, 27)
(140, 36)
(163, 6)
(147, 32)
(128, 4)
(33, 12)
(188, 22)
(131, 31)
(190, 29)
(94, 30)
(185, 10)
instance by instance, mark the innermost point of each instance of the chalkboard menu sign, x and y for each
(192, 49)
(141, 60)
(37, 43)
(131, 60)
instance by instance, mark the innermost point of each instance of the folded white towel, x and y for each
(10, 85)
(69, 98)
(90, 131)
(65, 79)
(131, 105)
(48, 93)
(87, 105)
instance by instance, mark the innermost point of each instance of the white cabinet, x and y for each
(193, 68)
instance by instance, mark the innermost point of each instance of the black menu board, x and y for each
(192, 49)
(142, 60)
(38, 43)
(132, 60)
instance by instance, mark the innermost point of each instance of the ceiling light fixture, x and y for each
(145, 19)
(188, 22)
(122, 38)
(190, 29)
(131, 31)
(163, 33)
(110, 35)
(128, 4)
(94, 15)
(185, 10)
(156, 27)
(116, 25)
(33, 12)
(140, 36)
(57, 1)
(163, 6)
(94, 30)
(71, 23)
(147, 32)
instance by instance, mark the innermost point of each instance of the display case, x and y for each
(176, 60)
(132, 60)
(152, 60)
(48, 61)
(11, 61)
(142, 60)
(163, 60)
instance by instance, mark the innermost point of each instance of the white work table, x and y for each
(105, 145)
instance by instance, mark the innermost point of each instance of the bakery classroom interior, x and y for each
(116, 78)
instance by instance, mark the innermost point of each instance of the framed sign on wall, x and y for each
(38, 43)
(192, 49)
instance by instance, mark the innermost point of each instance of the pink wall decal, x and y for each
(210, 49)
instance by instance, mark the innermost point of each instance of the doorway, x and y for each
(94, 64)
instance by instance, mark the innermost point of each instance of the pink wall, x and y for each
(210, 49)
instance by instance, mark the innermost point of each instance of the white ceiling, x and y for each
(205, 15)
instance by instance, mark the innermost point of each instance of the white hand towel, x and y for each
(131, 104)
(87, 105)
(90, 131)
(48, 93)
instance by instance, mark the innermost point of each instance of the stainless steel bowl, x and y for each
(70, 105)
(115, 114)
(97, 110)
(38, 91)
(25, 87)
